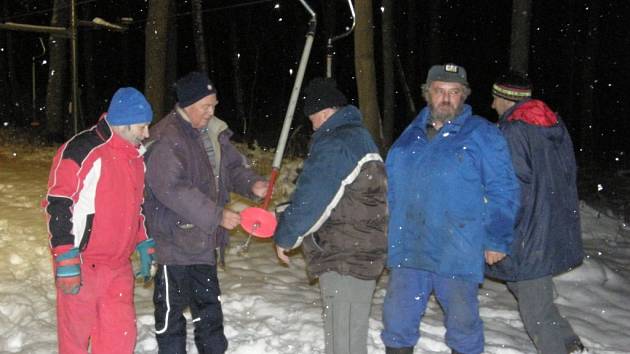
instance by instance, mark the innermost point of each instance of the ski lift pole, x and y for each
(330, 52)
(288, 118)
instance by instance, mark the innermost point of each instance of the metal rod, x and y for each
(288, 118)
(308, 8)
(59, 31)
(354, 23)
(330, 52)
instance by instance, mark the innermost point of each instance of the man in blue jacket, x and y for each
(547, 239)
(453, 198)
(338, 213)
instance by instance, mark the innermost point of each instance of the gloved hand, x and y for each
(68, 269)
(146, 249)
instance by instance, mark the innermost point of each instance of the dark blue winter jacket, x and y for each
(547, 233)
(451, 197)
(339, 208)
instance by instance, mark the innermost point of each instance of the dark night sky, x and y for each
(474, 34)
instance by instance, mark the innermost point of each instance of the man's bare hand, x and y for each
(283, 256)
(260, 188)
(230, 219)
(493, 257)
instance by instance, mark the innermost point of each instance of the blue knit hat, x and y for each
(129, 106)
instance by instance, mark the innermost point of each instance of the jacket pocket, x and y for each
(312, 249)
(85, 238)
(189, 238)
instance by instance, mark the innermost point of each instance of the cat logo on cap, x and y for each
(209, 87)
(451, 68)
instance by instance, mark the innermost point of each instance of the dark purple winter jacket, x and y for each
(183, 203)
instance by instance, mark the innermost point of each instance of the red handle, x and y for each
(272, 181)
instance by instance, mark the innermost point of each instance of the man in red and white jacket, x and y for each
(95, 223)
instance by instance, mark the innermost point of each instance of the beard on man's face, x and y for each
(445, 111)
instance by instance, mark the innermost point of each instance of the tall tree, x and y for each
(519, 42)
(365, 69)
(402, 79)
(434, 46)
(171, 54)
(412, 57)
(58, 76)
(200, 47)
(237, 78)
(387, 36)
(87, 48)
(589, 129)
(6, 108)
(156, 35)
(125, 54)
(568, 69)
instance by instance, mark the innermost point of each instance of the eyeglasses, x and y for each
(451, 92)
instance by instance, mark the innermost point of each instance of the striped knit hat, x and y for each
(512, 86)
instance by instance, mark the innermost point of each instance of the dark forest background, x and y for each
(577, 58)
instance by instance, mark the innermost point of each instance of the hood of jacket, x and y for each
(536, 113)
(346, 115)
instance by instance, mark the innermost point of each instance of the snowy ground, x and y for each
(272, 309)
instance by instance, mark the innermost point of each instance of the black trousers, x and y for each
(194, 286)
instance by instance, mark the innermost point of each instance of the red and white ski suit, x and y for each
(94, 201)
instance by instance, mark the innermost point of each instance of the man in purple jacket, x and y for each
(191, 168)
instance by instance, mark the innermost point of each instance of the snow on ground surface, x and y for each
(273, 309)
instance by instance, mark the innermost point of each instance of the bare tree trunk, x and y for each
(388, 73)
(58, 76)
(569, 53)
(252, 90)
(589, 61)
(156, 44)
(124, 59)
(237, 79)
(413, 59)
(411, 106)
(365, 69)
(435, 33)
(6, 106)
(171, 55)
(200, 47)
(519, 43)
(86, 39)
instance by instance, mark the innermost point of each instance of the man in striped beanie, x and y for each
(513, 86)
(547, 237)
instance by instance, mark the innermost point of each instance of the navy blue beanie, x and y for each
(193, 87)
(322, 93)
(129, 106)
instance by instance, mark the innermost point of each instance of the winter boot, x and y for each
(405, 350)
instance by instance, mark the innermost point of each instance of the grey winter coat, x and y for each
(184, 197)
